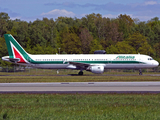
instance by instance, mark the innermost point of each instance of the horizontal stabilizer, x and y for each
(6, 58)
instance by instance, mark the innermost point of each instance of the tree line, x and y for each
(121, 35)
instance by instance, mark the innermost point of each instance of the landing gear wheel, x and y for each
(80, 73)
(140, 72)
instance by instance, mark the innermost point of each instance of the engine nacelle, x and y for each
(96, 69)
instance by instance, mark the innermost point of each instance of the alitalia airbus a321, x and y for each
(95, 63)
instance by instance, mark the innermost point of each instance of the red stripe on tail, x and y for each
(17, 55)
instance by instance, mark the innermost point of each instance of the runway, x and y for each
(81, 87)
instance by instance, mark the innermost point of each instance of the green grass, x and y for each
(65, 76)
(22, 79)
(75, 72)
(80, 106)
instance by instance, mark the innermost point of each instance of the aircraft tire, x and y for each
(80, 73)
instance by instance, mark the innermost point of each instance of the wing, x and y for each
(80, 65)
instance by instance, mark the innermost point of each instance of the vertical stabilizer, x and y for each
(15, 50)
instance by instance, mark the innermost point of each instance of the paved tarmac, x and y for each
(81, 87)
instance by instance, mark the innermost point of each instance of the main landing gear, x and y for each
(140, 72)
(80, 73)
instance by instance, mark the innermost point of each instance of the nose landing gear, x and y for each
(140, 72)
(80, 73)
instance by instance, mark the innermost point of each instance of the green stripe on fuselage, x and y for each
(87, 62)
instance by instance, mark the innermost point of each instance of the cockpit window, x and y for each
(150, 58)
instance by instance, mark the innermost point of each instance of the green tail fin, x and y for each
(15, 50)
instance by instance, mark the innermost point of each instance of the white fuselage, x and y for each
(109, 61)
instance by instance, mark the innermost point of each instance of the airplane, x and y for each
(95, 63)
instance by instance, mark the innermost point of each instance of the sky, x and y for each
(30, 10)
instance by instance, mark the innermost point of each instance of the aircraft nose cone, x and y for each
(156, 63)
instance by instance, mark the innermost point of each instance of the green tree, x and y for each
(3, 52)
(125, 24)
(86, 39)
(111, 35)
(4, 18)
(157, 49)
(36, 32)
(71, 44)
(21, 32)
(89, 22)
(146, 31)
(3, 47)
(43, 50)
(139, 43)
(121, 48)
(99, 22)
(95, 45)
(50, 32)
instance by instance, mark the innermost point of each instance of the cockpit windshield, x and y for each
(150, 58)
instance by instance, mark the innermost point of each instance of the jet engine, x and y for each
(96, 69)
